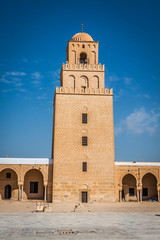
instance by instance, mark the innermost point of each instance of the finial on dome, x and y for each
(81, 27)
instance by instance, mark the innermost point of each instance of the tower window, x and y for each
(33, 187)
(84, 141)
(84, 166)
(83, 46)
(83, 57)
(8, 175)
(84, 117)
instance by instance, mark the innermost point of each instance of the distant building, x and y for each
(82, 167)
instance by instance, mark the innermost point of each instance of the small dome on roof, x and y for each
(82, 37)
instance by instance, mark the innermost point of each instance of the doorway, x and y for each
(7, 193)
(84, 197)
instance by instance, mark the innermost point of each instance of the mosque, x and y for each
(82, 167)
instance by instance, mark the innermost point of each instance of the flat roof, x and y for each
(50, 161)
(26, 161)
(154, 164)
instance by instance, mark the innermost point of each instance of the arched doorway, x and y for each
(8, 184)
(149, 183)
(129, 189)
(7, 192)
(33, 184)
(84, 194)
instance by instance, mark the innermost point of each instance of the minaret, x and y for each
(83, 136)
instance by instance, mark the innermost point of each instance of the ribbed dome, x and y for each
(82, 37)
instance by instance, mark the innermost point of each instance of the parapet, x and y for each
(93, 67)
(94, 91)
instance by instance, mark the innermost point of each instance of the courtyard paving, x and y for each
(118, 224)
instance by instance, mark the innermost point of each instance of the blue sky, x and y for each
(33, 40)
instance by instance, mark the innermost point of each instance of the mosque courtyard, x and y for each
(132, 220)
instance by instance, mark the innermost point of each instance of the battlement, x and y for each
(93, 91)
(93, 67)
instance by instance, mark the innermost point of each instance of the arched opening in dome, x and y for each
(83, 57)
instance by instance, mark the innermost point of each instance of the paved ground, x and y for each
(110, 221)
(80, 226)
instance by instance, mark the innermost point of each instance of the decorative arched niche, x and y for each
(84, 83)
(93, 57)
(72, 81)
(95, 82)
(74, 56)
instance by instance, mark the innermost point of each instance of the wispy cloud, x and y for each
(55, 75)
(127, 80)
(36, 76)
(41, 97)
(144, 96)
(120, 93)
(25, 60)
(114, 78)
(139, 122)
(14, 79)
(15, 73)
(4, 80)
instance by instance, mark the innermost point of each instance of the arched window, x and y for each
(83, 57)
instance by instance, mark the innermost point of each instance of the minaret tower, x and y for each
(83, 136)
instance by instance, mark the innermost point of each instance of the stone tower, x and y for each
(83, 133)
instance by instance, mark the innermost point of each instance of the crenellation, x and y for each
(87, 91)
(84, 67)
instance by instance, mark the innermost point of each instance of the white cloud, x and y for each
(144, 96)
(3, 80)
(41, 97)
(139, 122)
(36, 75)
(16, 73)
(114, 78)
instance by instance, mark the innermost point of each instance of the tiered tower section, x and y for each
(83, 139)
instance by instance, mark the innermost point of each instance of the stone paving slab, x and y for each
(80, 226)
